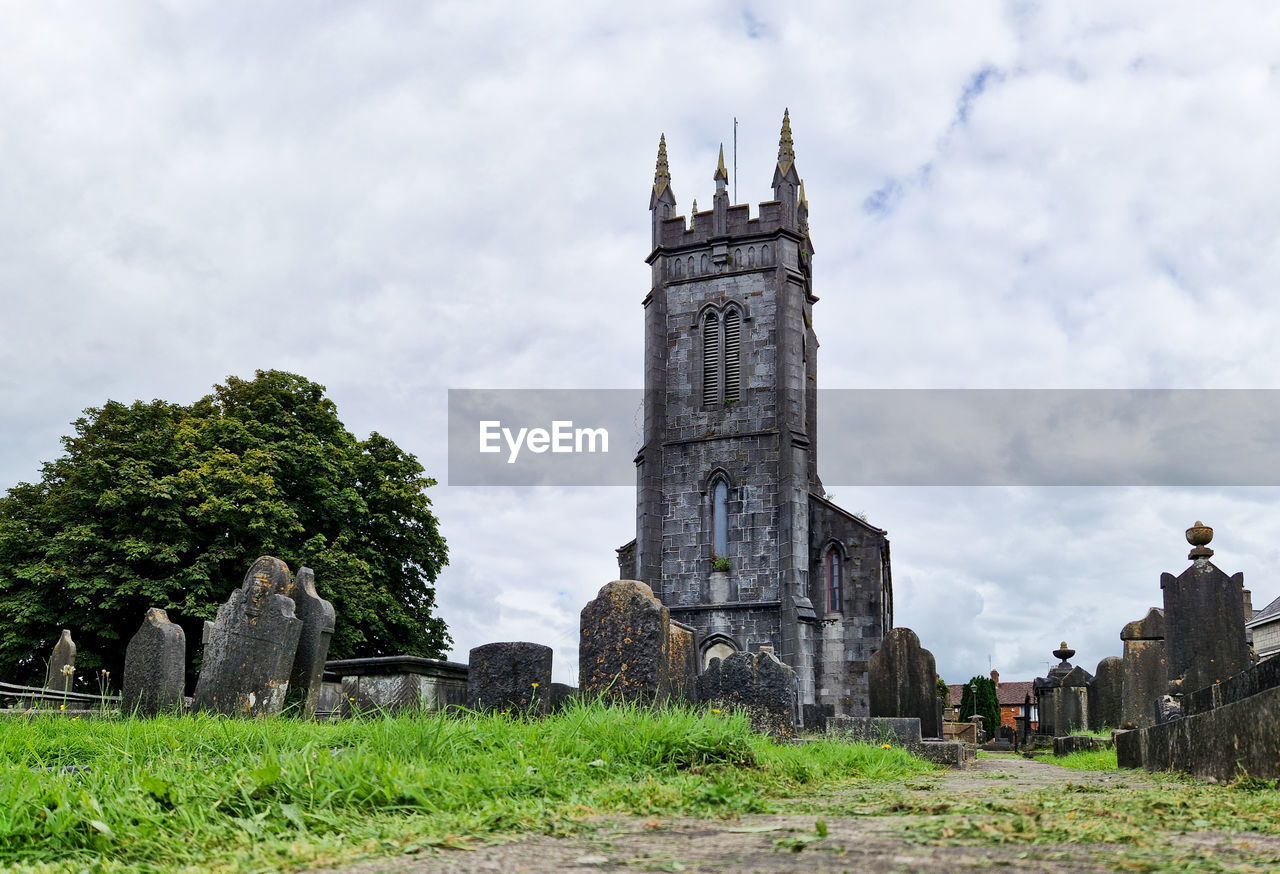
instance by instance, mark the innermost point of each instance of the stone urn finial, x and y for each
(1063, 652)
(1199, 535)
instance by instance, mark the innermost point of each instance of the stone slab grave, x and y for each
(1108, 686)
(902, 681)
(625, 651)
(62, 664)
(155, 665)
(317, 617)
(512, 677)
(903, 732)
(249, 649)
(398, 683)
(1079, 743)
(758, 684)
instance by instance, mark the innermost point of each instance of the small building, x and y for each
(1013, 698)
(1265, 626)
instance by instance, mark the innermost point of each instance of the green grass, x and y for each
(1094, 760)
(213, 794)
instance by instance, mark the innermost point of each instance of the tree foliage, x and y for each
(164, 505)
(987, 704)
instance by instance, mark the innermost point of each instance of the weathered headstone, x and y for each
(624, 653)
(1073, 702)
(155, 664)
(682, 659)
(902, 681)
(513, 677)
(1204, 620)
(249, 648)
(1048, 690)
(62, 664)
(1146, 675)
(758, 684)
(313, 643)
(1108, 687)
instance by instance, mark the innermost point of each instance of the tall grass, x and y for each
(209, 793)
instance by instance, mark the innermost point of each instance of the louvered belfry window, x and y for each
(711, 358)
(721, 358)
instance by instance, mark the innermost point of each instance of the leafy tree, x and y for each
(164, 505)
(986, 705)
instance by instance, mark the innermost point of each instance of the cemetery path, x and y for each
(957, 820)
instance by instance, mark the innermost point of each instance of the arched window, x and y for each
(711, 358)
(720, 518)
(833, 580)
(721, 357)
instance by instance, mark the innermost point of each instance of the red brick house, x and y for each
(1012, 697)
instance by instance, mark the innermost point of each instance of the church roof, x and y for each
(1009, 693)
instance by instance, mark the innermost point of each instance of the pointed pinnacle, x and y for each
(661, 176)
(786, 150)
(693, 215)
(721, 172)
(804, 201)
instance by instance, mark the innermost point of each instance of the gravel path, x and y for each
(878, 840)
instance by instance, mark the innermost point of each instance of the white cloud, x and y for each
(398, 200)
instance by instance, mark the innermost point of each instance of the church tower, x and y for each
(727, 483)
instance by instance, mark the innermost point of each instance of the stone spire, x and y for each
(721, 174)
(662, 175)
(662, 200)
(786, 150)
(693, 215)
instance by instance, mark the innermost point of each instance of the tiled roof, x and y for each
(1008, 693)
(1271, 611)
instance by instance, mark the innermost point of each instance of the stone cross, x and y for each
(62, 664)
(249, 648)
(313, 644)
(155, 664)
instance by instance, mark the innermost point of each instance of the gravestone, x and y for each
(317, 619)
(249, 648)
(514, 677)
(759, 684)
(62, 664)
(1108, 688)
(1072, 713)
(155, 664)
(1146, 675)
(624, 652)
(1048, 690)
(682, 661)
(902, 681)
(1203, 619)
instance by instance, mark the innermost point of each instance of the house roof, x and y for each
(1009, 693)
(1266, 614)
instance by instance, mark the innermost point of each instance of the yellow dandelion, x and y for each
(62, 707)
(534, 685)
(886, 746)
(715, 709)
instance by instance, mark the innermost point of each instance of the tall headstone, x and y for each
(313, 643)
(1146, 675)
(1108, 685)
(624, 652)
(682, 661)
(1073, 702)
(1204, 620)
(249, 648)
(757, 683)
(62, 664)
(515, 677)
(1047, 690)
(155, 664)
(902, 678)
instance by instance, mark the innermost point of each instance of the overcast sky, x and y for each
(396, 199)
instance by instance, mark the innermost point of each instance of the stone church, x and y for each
(733, 532)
